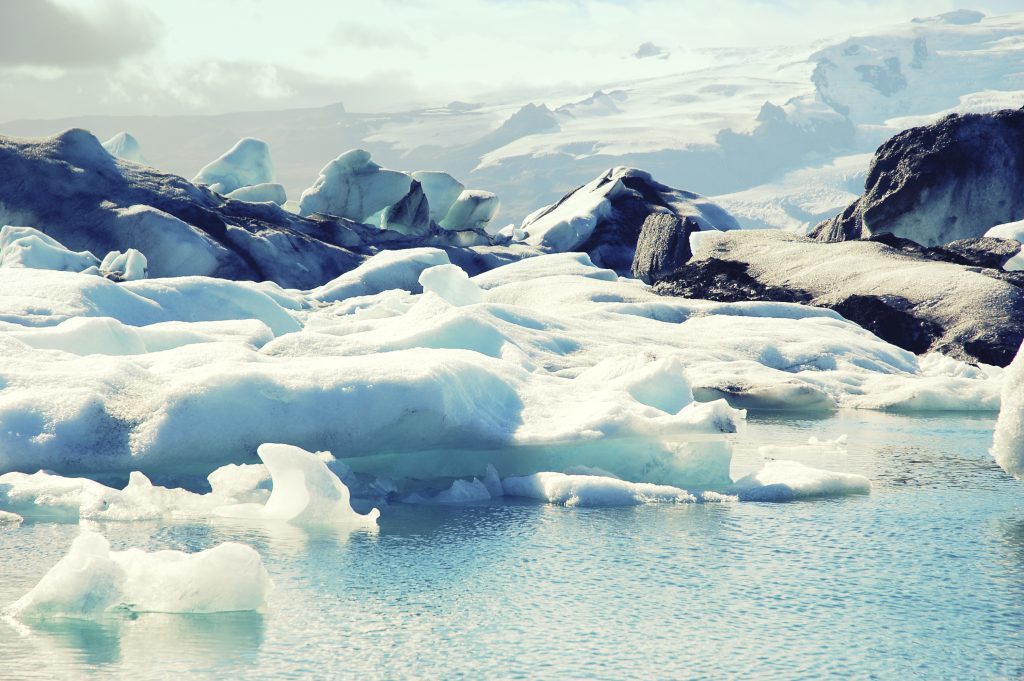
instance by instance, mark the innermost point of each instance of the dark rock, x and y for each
(725, 281)
(662, 247)
(954, 179)
(920, 299)
(891, 318)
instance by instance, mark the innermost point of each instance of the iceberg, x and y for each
(303, 491)
(472, 210)
(354, 187)
(1008, 442)
(245, 164)
(441, 190)
(92, 580)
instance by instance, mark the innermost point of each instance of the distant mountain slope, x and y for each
(737, 126)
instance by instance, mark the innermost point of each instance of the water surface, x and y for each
(924, 578)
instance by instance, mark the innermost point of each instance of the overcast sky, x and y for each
(72, 57)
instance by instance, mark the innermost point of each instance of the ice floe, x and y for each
(92, 580)
(788, 480)
(303, 490)
(594, 490)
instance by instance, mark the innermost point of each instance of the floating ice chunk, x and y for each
(8, 518)
(245, 164)
(474, 209)
(462, 492)
(124, 146)
(441, 190)
(127, 266)
(593, 490)
(264, 192)
(246, 483)
(452, 284)
(91, 580)
(44, 494)
(28, 247)
(354, 187)
(305, 492)
(788, 480)
(384, 271)
(1008, 444)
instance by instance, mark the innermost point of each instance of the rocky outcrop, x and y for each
(921, 299)
(938, 183)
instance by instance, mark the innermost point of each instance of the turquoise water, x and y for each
(924, 578)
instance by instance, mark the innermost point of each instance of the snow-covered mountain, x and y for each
(777, 135)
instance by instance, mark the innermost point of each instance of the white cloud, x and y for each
(208, 57)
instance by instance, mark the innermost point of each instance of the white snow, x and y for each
(245, 164)
(92, 579)
(354, 187)
(1008, 445)
(593, 490)
(452, 284)
(788, 480)
(386, 270)
(124, 146)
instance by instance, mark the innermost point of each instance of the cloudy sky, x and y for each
(74, 57)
